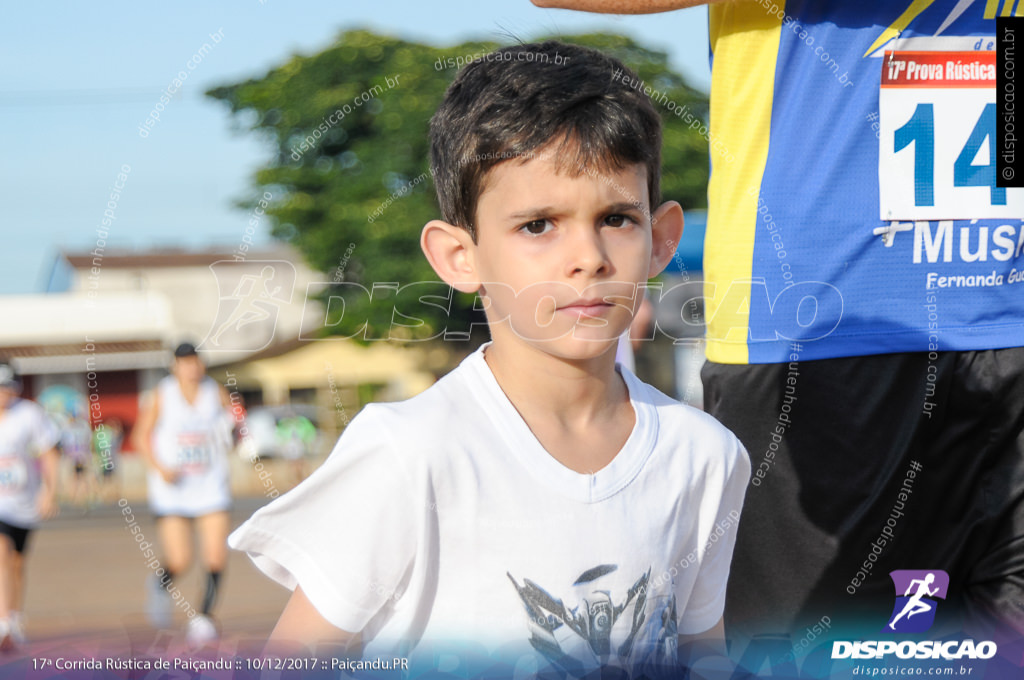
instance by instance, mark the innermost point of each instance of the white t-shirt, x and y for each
(193, 439)
(25, 433)
(442, 518)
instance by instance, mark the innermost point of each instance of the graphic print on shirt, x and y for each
(988, 9)
(600, 626)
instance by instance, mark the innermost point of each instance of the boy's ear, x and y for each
(451, 252)
(666, 230)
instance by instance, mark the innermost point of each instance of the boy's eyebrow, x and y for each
(532, 213)
(536, 213)
(624, 206)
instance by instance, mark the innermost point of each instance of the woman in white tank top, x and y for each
(184, 435)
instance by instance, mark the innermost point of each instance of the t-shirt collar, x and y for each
(524, 445)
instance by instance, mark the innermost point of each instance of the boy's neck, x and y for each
(578, 410)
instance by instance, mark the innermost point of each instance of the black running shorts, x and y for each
(865, 465)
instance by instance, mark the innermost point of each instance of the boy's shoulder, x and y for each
(439, 412)
(681, 426)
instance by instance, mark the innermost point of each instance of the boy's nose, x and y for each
(586, 254)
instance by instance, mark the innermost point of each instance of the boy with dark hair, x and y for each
(538, 498)
(898, 383)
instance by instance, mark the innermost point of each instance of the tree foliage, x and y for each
(349, 185)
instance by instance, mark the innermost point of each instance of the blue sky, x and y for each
(79, 79)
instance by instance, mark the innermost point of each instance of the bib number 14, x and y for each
(937, 139)
(919, 131)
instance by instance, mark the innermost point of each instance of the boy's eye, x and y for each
(618, 220)
(536, 227)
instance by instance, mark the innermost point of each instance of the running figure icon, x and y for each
(915, 605)
(248, 311)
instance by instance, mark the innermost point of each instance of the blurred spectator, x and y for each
(107, 439)
(295, 436)
(76, 445)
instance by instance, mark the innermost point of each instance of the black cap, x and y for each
(185, 349)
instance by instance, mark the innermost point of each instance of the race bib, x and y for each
(13, 475)
(937, 138)
(195, 452)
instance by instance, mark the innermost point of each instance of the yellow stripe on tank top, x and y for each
(745, 40)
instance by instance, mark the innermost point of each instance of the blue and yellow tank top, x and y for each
(854, 209)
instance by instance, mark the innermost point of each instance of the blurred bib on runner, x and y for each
(13, 475)
(194, 452)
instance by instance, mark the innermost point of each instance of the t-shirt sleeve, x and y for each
(346, 534)
(725, 487)
(45, 434)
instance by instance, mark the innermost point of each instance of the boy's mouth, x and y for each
(587, 307)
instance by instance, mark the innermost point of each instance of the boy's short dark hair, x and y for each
(518, 100)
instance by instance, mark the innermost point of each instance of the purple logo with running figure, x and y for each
(916, 593)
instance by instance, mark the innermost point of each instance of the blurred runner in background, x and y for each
(28, 493)
(184, 435)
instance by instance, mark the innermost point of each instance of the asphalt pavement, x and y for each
(86, 588)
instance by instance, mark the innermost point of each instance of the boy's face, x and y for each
(559, 260)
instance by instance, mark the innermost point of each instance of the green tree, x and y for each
(350, 186)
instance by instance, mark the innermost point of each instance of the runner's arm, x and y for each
(225, 400)
(301, 628)
(142, 436)
(624, 6)
(49, 462)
